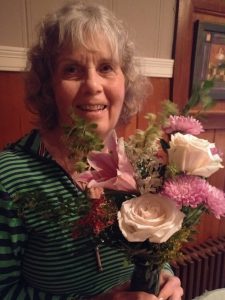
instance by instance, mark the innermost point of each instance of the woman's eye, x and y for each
(72, 70)
(106, 68)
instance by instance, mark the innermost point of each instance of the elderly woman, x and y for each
(82, 62)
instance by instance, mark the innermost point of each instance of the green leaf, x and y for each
(200, 97)
(207, 84)
(81, 138)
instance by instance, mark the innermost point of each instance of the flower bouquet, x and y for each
(147, 193)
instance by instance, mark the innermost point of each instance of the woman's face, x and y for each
(92, 84)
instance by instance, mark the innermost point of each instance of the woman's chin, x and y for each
(103, 132)
(93, 116)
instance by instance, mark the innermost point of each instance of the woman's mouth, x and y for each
(90, 107)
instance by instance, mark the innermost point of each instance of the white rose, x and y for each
(193, 156)
(150, 216)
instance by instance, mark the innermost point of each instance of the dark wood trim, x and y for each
(212, 119)
(183, 46)
(209, 7)
(184, 32)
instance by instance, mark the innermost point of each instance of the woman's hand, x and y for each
(170, 290)
(122, 292)
(125, 295)
(170, 287)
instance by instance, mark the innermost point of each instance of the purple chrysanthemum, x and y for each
(184, 125)
(186, 190)
(215, 201)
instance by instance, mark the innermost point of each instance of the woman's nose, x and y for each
(92, 82)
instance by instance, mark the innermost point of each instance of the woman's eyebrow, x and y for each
(100, 60)
(69, 60)
(109, 60)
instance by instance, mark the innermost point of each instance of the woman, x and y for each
(84, 61)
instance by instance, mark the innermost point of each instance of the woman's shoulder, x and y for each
(21, 145)
(18, 154)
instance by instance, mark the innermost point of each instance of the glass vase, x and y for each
(145, 278)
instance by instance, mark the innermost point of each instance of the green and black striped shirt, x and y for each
(39, 260)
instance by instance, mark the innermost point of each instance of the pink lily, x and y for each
(111, 168)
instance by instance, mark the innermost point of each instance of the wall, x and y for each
(150, 22)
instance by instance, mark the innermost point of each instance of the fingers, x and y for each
(125, 295)
(133, 296)
(171, 289)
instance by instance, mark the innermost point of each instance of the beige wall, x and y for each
(150, 22)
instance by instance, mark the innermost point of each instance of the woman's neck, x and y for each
(53, 142)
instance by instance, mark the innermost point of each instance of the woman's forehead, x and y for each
(100, 48)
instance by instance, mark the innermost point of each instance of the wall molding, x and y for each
(156, 67)
(14, 59)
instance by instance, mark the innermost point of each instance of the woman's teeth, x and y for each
(89, 107)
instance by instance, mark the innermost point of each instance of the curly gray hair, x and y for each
(77, 24)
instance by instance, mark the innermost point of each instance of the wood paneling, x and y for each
(160, 92)
(188, 12)
(14, 118)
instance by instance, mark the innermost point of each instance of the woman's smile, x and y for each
(91, 107)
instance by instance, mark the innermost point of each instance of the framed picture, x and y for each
(209, 57)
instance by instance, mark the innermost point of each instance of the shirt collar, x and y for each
(31, 143)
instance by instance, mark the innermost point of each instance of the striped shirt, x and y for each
(39, 259)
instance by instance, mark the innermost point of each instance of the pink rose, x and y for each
(193, 156)
(150, 217)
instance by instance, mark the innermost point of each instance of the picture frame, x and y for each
(209, 57)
